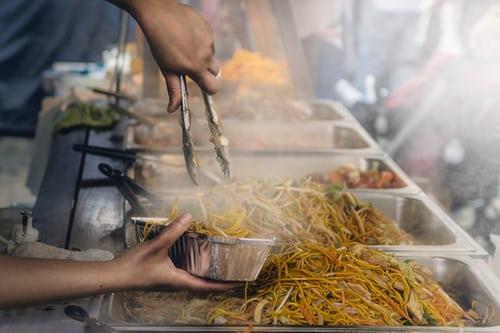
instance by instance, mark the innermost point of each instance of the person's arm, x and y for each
(181, 40)
(25, 281)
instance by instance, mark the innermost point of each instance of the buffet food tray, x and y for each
(433, 230)
(262, 165)
(320, 109)
(311, 136)
(464, 278)
(324, 109)
(431, 227)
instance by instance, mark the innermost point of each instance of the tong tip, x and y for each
(192, 170)
(227, 172)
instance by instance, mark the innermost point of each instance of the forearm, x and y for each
(26, 281)
(136, 7)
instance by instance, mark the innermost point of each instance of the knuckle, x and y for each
(204, 55)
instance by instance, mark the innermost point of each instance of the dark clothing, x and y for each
(36, 33)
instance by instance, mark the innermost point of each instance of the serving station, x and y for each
(98, 216)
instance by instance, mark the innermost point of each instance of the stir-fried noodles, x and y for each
(293, 211)
(312, 284)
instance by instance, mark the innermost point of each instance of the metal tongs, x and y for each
(217, 137)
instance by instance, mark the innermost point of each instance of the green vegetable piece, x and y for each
(80, 114)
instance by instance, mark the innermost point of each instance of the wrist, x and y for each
(120, 274)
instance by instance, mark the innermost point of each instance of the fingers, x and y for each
(207, 81)
(174, 91)
(191, 282)
(214, 67)
(171, 232)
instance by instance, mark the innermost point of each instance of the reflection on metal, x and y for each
(214, 257)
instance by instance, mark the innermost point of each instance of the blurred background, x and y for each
(422, 77)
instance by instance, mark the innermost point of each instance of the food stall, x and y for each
(345, 239)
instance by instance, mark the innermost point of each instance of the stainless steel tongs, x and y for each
(217, 137)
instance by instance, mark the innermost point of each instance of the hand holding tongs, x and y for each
(217, 137)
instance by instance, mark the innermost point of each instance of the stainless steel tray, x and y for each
(263, 165)
(321, 109)
(325, 109)
(433, 230)
(263, 136)
(464, 278)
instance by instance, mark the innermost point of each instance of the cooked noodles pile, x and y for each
(326, 275)
(312, 284)
(293, 211)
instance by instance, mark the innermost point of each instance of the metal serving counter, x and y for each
(95, 215)
(465, 278)
(456, 260)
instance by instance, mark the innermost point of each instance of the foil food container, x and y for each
(214, 257)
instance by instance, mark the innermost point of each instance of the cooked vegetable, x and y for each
(82, 114)
(352, 177)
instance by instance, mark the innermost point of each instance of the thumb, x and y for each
(174, 91)
(171, 232)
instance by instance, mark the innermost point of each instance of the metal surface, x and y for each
(49, 318)
(303, 136)
(311, 136)
(217, 258)
(78, 313)
(325, 109)
(433, 230)
(59, 185)
(248, 165)
(187, 138)
(465, 279)
(121, 181)
(321, 109)
(217, 137)
(98, 217)
(237, 259)
(166, 134)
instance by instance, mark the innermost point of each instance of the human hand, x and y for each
(181, 41)
(148, 266)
